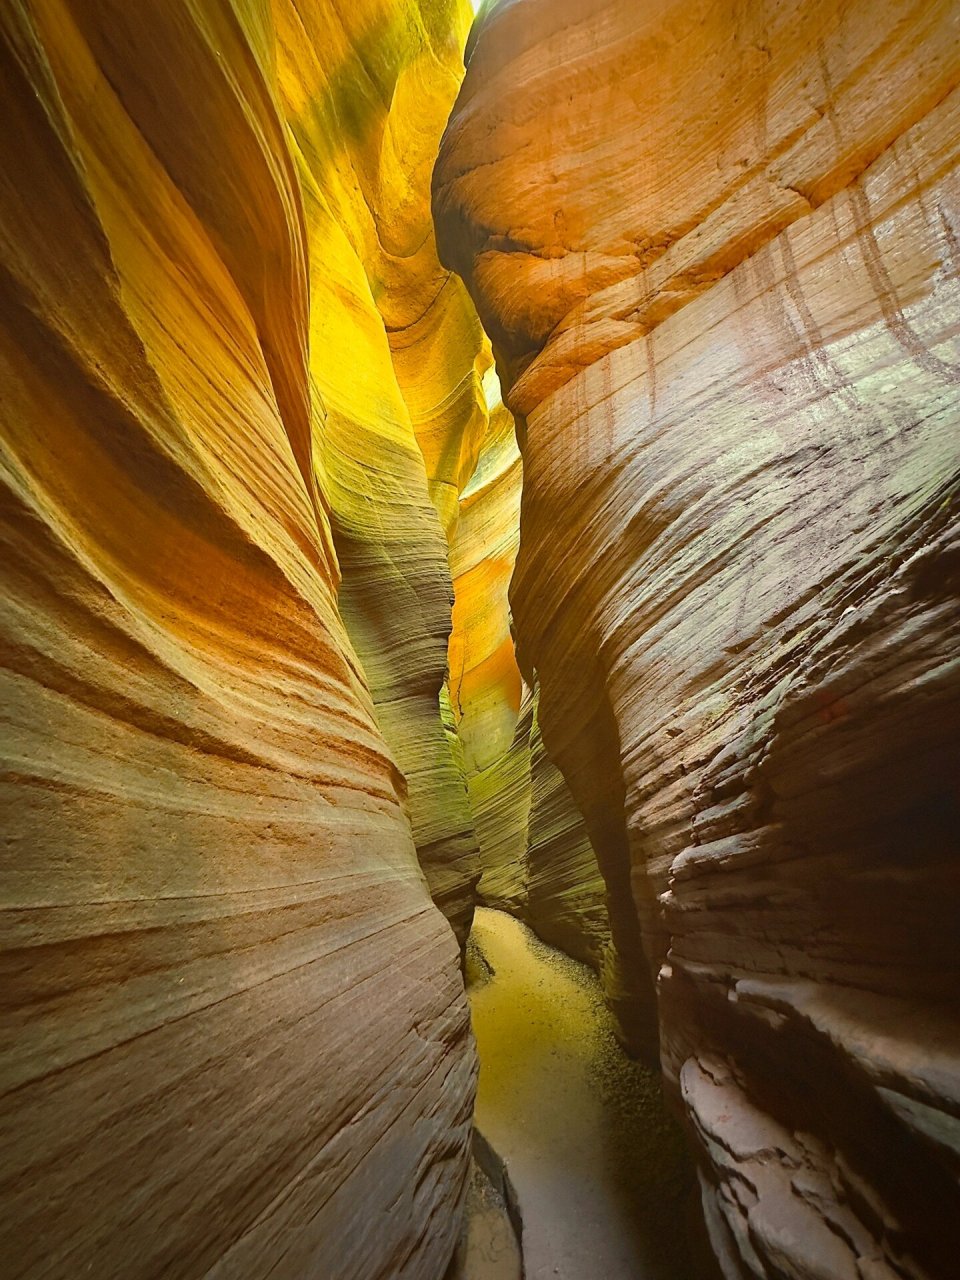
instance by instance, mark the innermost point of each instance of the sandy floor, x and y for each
(489, 1248)
(599, 1168)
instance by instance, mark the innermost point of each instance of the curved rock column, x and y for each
(536, 858)
(235, 1039)
(716, 247)
(395, 356)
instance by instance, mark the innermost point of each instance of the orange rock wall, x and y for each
(235, 1035)
(715, 246)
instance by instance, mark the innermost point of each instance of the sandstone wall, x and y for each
(396, 360)
(235, 1036)
(536, 858)
(485, 682)
(716, 247)
(566, 895)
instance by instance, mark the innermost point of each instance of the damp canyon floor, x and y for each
(599, 1167)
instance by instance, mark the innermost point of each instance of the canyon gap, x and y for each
(266, 739)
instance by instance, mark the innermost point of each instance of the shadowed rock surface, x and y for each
(715, 247)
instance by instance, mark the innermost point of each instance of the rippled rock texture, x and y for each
(397, 366)
(716, 247)
(235, 1034)
(536, 858)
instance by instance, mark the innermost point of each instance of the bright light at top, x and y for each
(491, 389)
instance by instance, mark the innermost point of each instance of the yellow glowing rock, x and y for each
(395, 347)
(535, 854)
(485, 683)
(236, 1034)
(484, 677)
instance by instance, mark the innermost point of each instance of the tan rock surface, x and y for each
(716, 247)
(566, 895)
(536, 857)
(235, 1039)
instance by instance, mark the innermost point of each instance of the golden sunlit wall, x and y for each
(485, 682)
(396, 358)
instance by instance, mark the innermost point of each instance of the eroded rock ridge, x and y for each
(716, 248)
(240, 396)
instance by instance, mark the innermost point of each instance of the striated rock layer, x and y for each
(535, 855)
(235, 1039)
(716, 247)
(566, 895)
(396, 358)
(485, 683)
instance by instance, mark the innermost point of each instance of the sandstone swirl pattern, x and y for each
(717, 249)
(398, 355)
(535, 855)
(235, 1036)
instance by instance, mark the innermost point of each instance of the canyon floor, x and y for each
(598, 1165)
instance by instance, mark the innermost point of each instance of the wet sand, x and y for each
(599, 1167)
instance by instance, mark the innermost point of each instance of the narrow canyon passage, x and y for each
(599, 1168)
(463, 465)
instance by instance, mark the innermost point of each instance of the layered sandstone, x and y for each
(235, 1035)
(536, 858)
(485, 685)
(566, 895)
(397, 358)
(716, 248)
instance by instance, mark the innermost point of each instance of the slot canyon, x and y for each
(480, 531)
